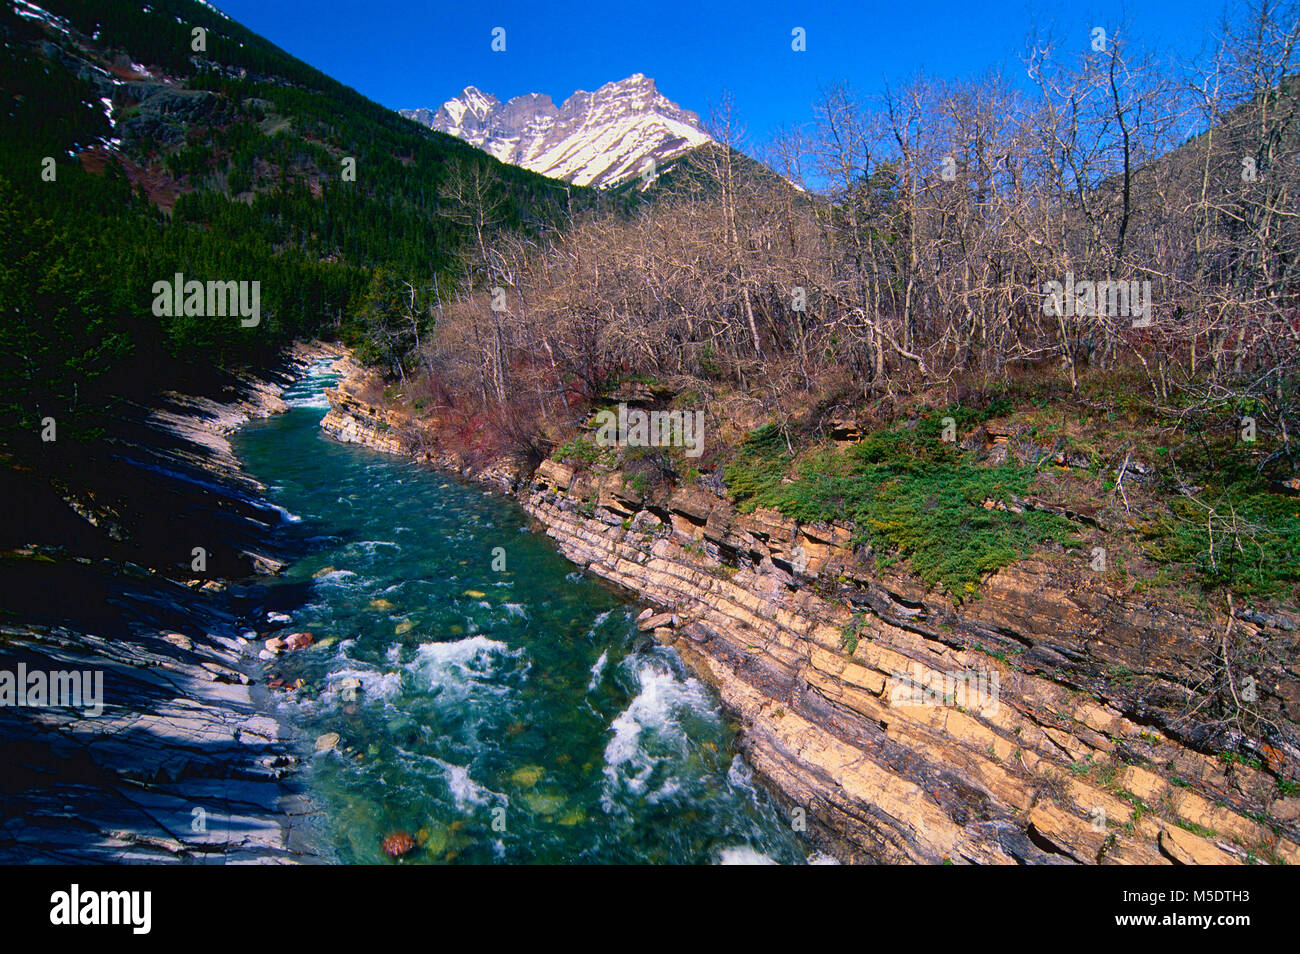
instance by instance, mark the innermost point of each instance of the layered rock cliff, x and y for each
(352, 419)
(1052, 720)
(856, 691)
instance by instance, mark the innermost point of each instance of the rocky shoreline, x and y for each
(1060, 766)
(1090, 751)
(186, 762)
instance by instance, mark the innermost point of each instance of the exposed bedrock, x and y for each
(1053, 720)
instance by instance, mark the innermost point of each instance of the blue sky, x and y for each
(421, 52)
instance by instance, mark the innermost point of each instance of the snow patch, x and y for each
(31, 11)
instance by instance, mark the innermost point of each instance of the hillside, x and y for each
(234, 162)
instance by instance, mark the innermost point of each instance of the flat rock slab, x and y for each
(176, 767)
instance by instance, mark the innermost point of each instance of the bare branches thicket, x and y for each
(912, 236)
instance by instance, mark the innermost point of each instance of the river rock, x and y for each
(398, 844)
(179, 640)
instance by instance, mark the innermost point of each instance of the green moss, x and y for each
(909, 494)
(852, 632)
(1140, 807)
(583, 451)
(1236, 536)
(1121, 674)
(1232, 758)
(1194, 828)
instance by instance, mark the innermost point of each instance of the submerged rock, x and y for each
(527, 775)
(398, 844)
(298, 640)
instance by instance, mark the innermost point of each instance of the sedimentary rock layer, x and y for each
(1093, 748)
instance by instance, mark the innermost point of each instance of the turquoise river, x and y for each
(508, 715)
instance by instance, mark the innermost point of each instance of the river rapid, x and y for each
(489, 701)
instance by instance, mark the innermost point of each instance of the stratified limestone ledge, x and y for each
(1094, 752)
(1059, 770)
(353, 420)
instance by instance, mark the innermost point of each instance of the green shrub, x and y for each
(909, 494)
(1235, 531)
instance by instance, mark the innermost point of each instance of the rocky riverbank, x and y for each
(1053, 720)
(184, 762)
(359, 415)
(858, 704)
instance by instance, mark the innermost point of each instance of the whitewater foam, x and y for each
(598, 670)
(374, 683)
(650, 722)
(457, 667)
(466, 792)
(744, 855)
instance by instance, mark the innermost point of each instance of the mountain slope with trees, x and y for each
(913, 281)
(127, 155)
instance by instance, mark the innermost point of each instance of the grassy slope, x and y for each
(1032, 471)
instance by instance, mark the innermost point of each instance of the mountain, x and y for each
(601, 139)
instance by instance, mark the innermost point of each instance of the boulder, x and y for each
(656, 621)
(298, 640)
(179, 640)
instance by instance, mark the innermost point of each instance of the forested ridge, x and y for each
(228, 163)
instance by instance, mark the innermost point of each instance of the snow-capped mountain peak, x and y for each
(602, 138)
